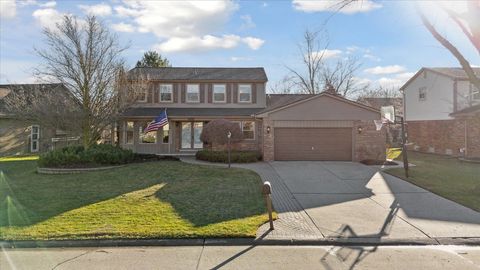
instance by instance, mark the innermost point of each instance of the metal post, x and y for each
(404, 147)
(229, 134)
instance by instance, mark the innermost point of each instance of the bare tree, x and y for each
(286, 85)
(340, 76)
(85, 57)
(312, 51)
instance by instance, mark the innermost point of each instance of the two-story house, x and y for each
(281, 127)
(442, 111)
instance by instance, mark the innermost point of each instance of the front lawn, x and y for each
(445, 176)
(165, 199)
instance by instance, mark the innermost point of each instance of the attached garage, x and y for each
(322, 127)
(313, 144)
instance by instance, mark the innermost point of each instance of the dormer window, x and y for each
(245, 93)
(219, 93)
(193, 93)
(166, 93)
(422, 94)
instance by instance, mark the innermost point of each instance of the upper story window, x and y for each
(219, 93)
(142, 95)
(166, 93)
(422, 94)
(245, 93)
(193, 93)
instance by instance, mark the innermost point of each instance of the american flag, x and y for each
(157, 123)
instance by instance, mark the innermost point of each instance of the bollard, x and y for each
(267, 193)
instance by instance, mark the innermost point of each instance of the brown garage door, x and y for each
(313, 144)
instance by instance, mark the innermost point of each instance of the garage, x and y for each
(320, 127)
(313, 144)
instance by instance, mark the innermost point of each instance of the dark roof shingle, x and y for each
(202, 73)
(186, 112)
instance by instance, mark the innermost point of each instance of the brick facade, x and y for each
(268, 142)
(369, 143)
(446, 137)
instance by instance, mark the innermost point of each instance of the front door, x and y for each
(191, 135)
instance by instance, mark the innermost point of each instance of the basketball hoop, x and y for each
(378, 124)
(387, 114)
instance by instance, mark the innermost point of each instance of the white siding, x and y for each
(439, 100)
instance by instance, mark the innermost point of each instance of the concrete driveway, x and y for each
(347, 199)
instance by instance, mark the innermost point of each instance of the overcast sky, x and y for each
(387, 36)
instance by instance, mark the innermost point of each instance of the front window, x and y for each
(248, 130)
(219, 93)
(193, 93)
(149, 137)
(166, 93)
(422, 94)
(245, 93)
(165, 135)
(475, 93)
(129, 133)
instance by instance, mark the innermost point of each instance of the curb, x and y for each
(241, 242)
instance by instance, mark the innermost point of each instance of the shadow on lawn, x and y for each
(199, 194)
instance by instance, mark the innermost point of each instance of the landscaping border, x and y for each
(75, 170)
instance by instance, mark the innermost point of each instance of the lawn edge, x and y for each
(410, 182)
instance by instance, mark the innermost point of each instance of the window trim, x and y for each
(37, 140)
(224, 93)
(160, 93)
(254, 133)
(474, 91)
(156, 135)
(125, 133)
(251, 93)
(186, 93)
(422, 90)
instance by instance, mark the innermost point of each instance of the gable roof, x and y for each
(252, 74)
(304, 98)
(467, 111)
(279, 100)
(455, 73)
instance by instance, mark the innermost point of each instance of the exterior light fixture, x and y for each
(268, 129)
(359, 129)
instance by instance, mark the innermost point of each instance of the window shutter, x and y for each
(150, 93)
(229, 93)
(176, 92)
(183, 88)
(235, 93)
(202, 90)
(156, 93)
(254, 93)
(210, 93)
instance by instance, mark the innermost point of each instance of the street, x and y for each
(244, 257)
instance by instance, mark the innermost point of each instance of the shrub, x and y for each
(215, 132)
(235, 156)
(78, 156)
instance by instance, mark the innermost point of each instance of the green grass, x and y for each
(445, 176)
(165, 199)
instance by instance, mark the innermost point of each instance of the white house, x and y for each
(441, 108)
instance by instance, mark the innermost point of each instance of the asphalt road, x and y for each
(244, 257)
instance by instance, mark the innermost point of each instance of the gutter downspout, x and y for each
(465, 153)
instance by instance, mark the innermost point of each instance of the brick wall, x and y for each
(439, 137)
(473, 137)
(246, 145)
(370, 143)
(268, 142)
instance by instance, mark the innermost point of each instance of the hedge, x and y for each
(78, 156)
(235, 156)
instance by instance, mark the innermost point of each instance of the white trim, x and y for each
(251, 93)
(224, 93)
(160, 93)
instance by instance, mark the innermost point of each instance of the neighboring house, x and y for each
(442, 112)
(281, 127)
(19, 137)
(394, 133)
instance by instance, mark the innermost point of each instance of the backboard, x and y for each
(388, 114)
